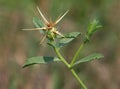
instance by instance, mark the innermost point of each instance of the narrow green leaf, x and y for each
(40, 60)
(72, 35)
(89, 58)
(38, 23)
(68, 38)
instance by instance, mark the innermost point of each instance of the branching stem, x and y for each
(77, 54)
(69, 66)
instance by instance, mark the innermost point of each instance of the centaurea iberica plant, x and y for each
(57, 40)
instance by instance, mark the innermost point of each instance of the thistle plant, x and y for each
(57, 40)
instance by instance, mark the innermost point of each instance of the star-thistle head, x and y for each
(49, 27)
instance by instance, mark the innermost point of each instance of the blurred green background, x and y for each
(17, 45)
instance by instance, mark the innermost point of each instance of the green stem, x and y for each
(76, 54)
(68, 65)
(78, 78)
(61, 58)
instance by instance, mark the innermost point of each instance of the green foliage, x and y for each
(38, 23)
(72, 35)
(88, 58)
(68, 38)
(92, 28)
(40, 60)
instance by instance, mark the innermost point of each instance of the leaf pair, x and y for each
(46, 60)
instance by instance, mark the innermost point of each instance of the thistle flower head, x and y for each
(49, 26)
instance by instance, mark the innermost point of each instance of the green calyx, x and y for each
(50, 34)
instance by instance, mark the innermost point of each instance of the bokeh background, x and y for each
(17, 45)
